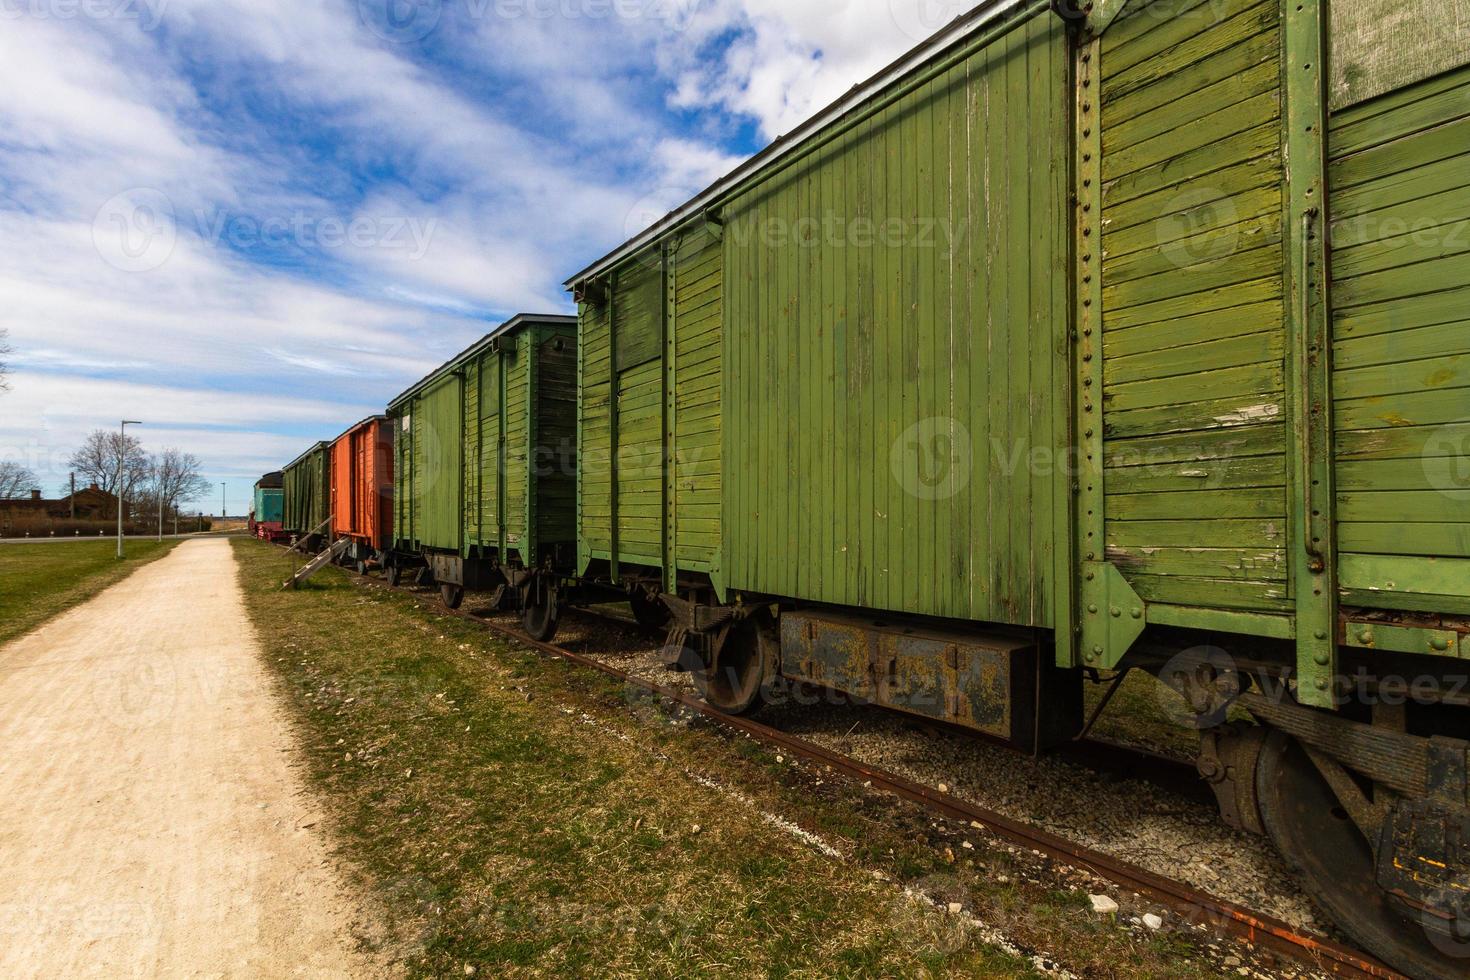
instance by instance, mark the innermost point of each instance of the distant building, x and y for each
(90, 504)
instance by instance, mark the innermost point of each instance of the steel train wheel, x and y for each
(735, 684)
(452, 595)
(1333, 860)
(540, 619)
(394, 574)
(362, 568)
(650, 613)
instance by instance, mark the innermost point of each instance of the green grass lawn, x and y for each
(500, 813)
(38, 581)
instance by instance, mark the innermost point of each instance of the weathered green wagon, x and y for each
(1081, 341)
(307, 505)
(485, 469)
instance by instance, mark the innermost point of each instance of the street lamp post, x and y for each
(122, 455)
(221, 501)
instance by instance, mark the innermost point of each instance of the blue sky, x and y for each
(250, 223)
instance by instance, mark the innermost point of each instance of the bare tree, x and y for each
(16, 481)
(97, 461)
(5, 350)
(175, 478)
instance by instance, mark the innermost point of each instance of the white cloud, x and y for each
(792, 57)
(542, 142)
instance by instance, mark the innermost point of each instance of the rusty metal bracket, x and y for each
(1113, 616)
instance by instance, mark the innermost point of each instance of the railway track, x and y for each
(1195, 906)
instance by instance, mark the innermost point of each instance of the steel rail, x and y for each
(1194, 905)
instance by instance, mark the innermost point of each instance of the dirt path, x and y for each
(150, 823)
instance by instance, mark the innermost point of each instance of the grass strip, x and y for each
(42, 580)
(503, 813)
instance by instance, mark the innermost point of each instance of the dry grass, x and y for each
(515, 815)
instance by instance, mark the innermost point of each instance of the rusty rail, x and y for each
(1195, 906)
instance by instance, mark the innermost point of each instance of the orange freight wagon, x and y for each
(362, 490)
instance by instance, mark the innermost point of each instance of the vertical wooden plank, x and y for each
(1060, 341)
(579, 487)
(807, 324)
(612, 424)
(942, 218)
(1023, 324)
(982, 548)
(828, 256)
(732, 400)
(961, 332)
(526, 344)
(890, 409)
(928, 301)
(1000, 310)
(866, 175)
(838, 456)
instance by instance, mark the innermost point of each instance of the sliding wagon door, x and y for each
(1198, 296)
(1400, 184)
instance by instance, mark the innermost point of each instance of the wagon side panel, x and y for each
(895, 344)
(1400, 186)
(554, 455)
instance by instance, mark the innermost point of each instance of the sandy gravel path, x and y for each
(150, 822)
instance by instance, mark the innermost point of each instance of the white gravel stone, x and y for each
(1153, 921)
(1103, 905)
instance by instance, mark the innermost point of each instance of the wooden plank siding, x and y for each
(1194, 335)
(519, 439)
(651, 369)
(554, 446)
(698, 304)
(1400, 186)
(306, 482)
(896, 313)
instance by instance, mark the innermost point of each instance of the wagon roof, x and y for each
(271, 481)
(380, 417)
(510, 326)
(319, 447)
(955, 33)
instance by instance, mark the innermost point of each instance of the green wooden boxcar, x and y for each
(307, 503)
(486, 460)
(1125, 336)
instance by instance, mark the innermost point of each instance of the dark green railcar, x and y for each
(306, 506)
(1088, 339)
(486, 462)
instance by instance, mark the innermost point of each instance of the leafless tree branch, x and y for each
(16, 481)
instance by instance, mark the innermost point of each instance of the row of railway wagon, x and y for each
(1076, 342)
